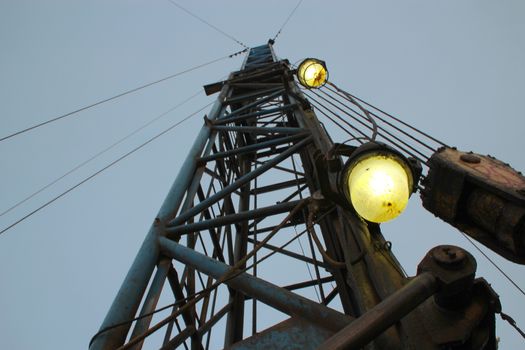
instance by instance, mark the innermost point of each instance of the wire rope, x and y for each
(208, 24)
(512, 322)
(102, 169)
(295, 228)
(423, 159)
(494, 264)
(400, 121)
(383, 130)
(118, 95)
(116, 143)
(234, 273)
(287, 20)
(349, 98)
(503, 316)
(319, 105)
(353, 99)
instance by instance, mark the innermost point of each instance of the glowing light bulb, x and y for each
(379, 187)
(312, 73)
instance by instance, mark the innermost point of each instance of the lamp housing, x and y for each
(377, 181)
(312, 73)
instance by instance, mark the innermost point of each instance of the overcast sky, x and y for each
(452, 68)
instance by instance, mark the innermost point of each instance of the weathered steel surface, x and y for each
(369, 325)
(239, 179)
(233, 218)
(281, 299)
(291, 334)
(128, 298)
(481, 196)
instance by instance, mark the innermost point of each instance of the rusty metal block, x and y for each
(481, 196)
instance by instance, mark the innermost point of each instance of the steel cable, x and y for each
(80, 165)
(422, 158)
(287, 20)
(208, 24)
(318, 104)
(353, 99)
(349, 98)
(207, 290)
(101, 170)
(400, 121)
(494, 264)
(383, 130)
(118, 95)
(234, 271)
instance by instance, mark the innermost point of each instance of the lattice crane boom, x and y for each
(252, 191)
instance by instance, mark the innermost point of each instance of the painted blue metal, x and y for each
(258, 130)
(253, 147)
(151, 299)
(229, 149)
(174, 198)
(179, 338)
(291, 334)
(247, 116)
(268, 94)
(259, 55)
(239, 183)
(268, 293)
(129, 296)
(254, 104)
(233, 218)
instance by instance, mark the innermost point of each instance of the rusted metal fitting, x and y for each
(449, 257)
(318, 203)
(208, 122)
(455, 269)
(470, 158)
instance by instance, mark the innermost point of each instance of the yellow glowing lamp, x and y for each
(378, 182)
(312, 73)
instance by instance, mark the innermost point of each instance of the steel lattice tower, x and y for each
(235, 246)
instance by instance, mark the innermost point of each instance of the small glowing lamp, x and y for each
(312, 73)
(378, 182)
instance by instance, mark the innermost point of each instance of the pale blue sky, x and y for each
(452, 68)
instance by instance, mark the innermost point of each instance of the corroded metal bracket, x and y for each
(481, 196)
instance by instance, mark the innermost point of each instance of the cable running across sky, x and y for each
(98, 154)
(287, 20)
(205, 290)
(369, 121)
(337, 105)
(119, 95)
(103, 169)
(231, 37)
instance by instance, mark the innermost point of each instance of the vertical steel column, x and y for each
(235, 320)
(279, 298)
(129, 296)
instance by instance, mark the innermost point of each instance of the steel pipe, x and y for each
(233, 218)
(376, 320)
(282, 109)
(129, 296)
(253, 147)
(239, 183)
(250, 105)
(268, 293)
